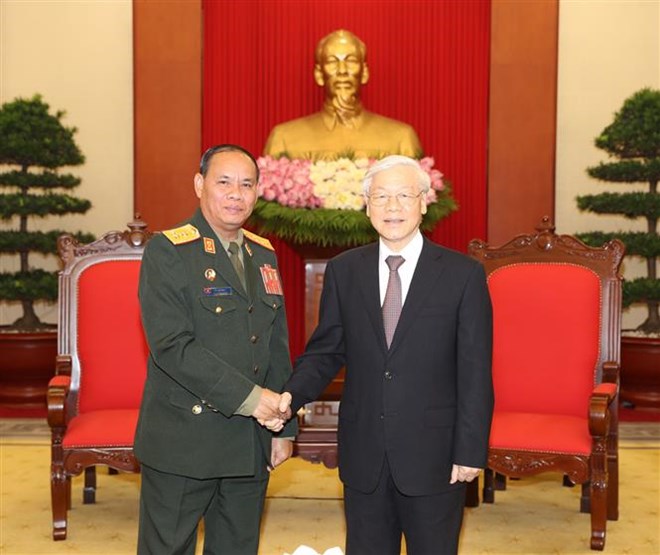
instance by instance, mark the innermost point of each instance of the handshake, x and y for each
(273, 410)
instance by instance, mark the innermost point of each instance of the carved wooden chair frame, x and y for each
(598, 472)
(62, 395)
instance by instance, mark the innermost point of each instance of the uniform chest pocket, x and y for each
(218, 305)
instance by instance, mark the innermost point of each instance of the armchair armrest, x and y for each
(611, 372)
(58, 389)
(63, 365)
(599, 408)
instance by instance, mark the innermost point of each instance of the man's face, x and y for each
(228, 193)
(341, 70)
(397, 220)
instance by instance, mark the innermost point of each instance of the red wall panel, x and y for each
(429, 66)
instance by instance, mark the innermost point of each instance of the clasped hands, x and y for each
(273, 410)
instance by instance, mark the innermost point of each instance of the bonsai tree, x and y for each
(36, 144)
(633, 139)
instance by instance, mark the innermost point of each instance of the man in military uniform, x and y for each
(213, 313)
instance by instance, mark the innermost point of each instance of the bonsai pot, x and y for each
(26, 366)
(640, 371)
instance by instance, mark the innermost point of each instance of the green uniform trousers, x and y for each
(172, 506)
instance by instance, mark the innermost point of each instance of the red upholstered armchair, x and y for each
(94, 398)
(556, 321)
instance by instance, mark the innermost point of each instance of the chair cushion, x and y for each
(111, 345)
(540, 432)
(108, 428)
(546, 322)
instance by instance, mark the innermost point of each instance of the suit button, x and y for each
(254, 339)
(197, 409)
(388, 375)
(256, 368)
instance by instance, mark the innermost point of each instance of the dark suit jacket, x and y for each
(427, 401)
(208, 347)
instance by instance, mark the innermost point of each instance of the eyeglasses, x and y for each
(404, 199)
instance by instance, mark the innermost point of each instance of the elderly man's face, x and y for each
(341, 68)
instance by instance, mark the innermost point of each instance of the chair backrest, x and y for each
(99, 324)
(556, 319)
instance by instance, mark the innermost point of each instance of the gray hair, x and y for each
(423, 178)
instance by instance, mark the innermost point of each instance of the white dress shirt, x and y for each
(410, 255)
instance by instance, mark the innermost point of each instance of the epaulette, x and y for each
(258, 239)
(184, 234)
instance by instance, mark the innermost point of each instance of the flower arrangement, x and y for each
(321, 201)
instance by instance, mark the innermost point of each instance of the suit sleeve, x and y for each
(280, 365)
(168, 323)
(325, 353)
(474, 378)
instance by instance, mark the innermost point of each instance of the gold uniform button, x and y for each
(254, 339)
(274, 306)
(250, 309)
(218, 309)
(256, 368)
(197, 409)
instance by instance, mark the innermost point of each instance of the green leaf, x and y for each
(15, 242)
(635, 131)
(631, 205)
(31, 136)
(41, 205)
(32, 286)
(641, 290)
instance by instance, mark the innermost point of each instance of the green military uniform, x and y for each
(211, 341)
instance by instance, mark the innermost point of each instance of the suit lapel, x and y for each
(370, 289)
(429, 268)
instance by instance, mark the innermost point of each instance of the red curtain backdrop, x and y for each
(428, 61)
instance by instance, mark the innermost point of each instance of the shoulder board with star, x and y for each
(184, 234)
(258, 240)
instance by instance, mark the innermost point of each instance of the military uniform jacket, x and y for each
(210, 342)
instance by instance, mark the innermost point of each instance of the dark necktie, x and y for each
(236, 262)
(392, 304)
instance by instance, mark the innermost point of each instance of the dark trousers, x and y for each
(375, 521)
(172, 506)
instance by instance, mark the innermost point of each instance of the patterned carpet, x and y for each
(534, 516)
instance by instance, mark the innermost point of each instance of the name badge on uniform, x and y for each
(271, 279)
(217, 291)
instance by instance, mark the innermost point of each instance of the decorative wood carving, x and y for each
(62, 396)
(597, 471)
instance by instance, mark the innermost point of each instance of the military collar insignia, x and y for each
(209, 245)
(184, 234)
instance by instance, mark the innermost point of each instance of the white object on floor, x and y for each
(306, 550)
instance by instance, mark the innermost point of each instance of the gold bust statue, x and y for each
(343, 125)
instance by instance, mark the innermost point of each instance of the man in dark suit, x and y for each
(213, 313)
(411, 321)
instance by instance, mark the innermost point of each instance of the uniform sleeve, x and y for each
(168, 324)
(474, 378)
